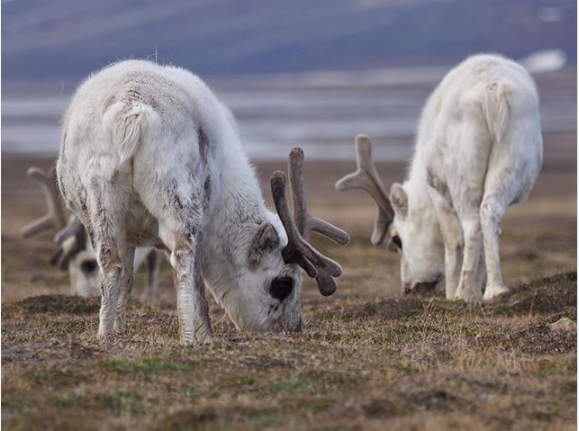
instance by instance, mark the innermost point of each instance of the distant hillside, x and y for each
(68, 38)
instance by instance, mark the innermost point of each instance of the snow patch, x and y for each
(545, 61)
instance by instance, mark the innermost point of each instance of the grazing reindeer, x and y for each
(479, 150)
(150, 157)
(75, 254)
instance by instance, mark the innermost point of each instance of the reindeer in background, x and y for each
(479, 150)
(75, 253)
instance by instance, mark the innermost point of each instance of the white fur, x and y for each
(132, 168)
(478, 150)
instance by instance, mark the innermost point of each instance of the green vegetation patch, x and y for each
(71, 398)
(123, 402)
(146, 366)
(313, 382)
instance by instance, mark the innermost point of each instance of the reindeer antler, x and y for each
(70, 236)
(306, 222)
(71, 239)
(366, 178)
(54, 218)
(298, 228)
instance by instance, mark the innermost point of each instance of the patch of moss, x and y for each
(313, 382)
(123, 403)
(54, 377)
(145, 366)
(73, 398)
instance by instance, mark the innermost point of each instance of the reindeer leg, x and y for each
(204, 333)
(192, 308)
(179, 229)
(178, 204)
(491, 212)
(183, 259)
(127, 255)
(152, 279)
(453, 241)
(104, 223)
(468, 288)
(110, 281)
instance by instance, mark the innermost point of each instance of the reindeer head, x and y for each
(404, 226)
(278, 250)
(74, 252)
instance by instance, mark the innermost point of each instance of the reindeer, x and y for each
(75, 253)
(479, 150)
(151, 157)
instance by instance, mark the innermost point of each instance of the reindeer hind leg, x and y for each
(104, 211)
(127, 254)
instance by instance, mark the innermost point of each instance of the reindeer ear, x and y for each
(399, 199)
(265, 240)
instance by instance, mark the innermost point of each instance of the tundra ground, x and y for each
(369, 358)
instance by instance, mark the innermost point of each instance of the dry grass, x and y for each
(427, 363)
(368, 358)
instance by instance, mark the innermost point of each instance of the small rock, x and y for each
(563, 324)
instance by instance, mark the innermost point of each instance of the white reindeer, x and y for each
(150, 157)
(479, 150)
(74, 252)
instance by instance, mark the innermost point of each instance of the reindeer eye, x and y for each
(397, 241)
(281, 287)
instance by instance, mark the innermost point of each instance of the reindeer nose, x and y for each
(88, 266)
(421, 288)
(281, 287)
(426, 287)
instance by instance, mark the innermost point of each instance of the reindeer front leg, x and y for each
(204, 333)
(110, 281)
(451, 231)
(453, 241)
(183, 261)
(192, 308)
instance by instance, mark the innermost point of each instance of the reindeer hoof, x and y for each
(204, 340)
(203, 335)
(468, 295)
(105, 340)
(120, 329)
(492, 291)
(187, 339)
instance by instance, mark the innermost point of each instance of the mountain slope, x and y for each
(69, 38)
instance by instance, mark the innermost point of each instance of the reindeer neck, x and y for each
(239, 202)
(416, 186)
(237, 212)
